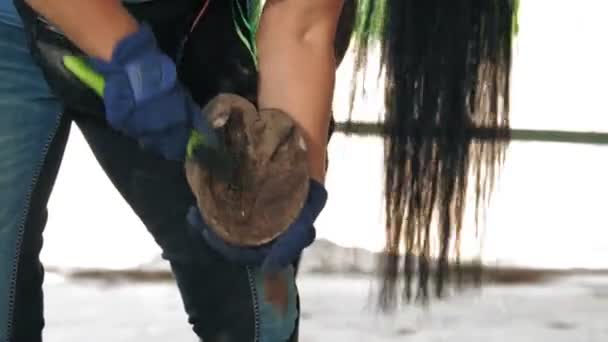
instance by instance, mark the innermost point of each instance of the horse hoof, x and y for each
(269, 185)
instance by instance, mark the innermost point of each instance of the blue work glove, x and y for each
(279, 253)
(142, 95)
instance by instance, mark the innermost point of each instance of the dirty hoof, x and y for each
(268, 186)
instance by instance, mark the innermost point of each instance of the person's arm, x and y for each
(297, 67)
(122, 66)
(95, 26)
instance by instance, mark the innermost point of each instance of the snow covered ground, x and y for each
(336, 308)
(338, 305)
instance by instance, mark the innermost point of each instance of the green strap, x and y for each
(515, 18)
(255, 14)
(81, 69)
(250, 21)
(194, 142)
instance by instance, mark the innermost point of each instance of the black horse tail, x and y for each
(447, 66)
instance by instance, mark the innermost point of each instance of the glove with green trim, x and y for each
(144, 100)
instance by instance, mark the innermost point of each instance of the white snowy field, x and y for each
(336, 308)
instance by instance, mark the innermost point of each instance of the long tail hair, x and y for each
(447, 66)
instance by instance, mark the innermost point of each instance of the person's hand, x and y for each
(279, 253)
(143, 97)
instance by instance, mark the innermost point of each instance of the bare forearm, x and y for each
(297, 68)
(307, 98)
(95, 26)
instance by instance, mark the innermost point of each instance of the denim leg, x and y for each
(224, 302)
(30, 150)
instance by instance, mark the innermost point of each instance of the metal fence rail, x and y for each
(589, 138)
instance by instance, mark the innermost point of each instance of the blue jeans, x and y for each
(223, 301)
